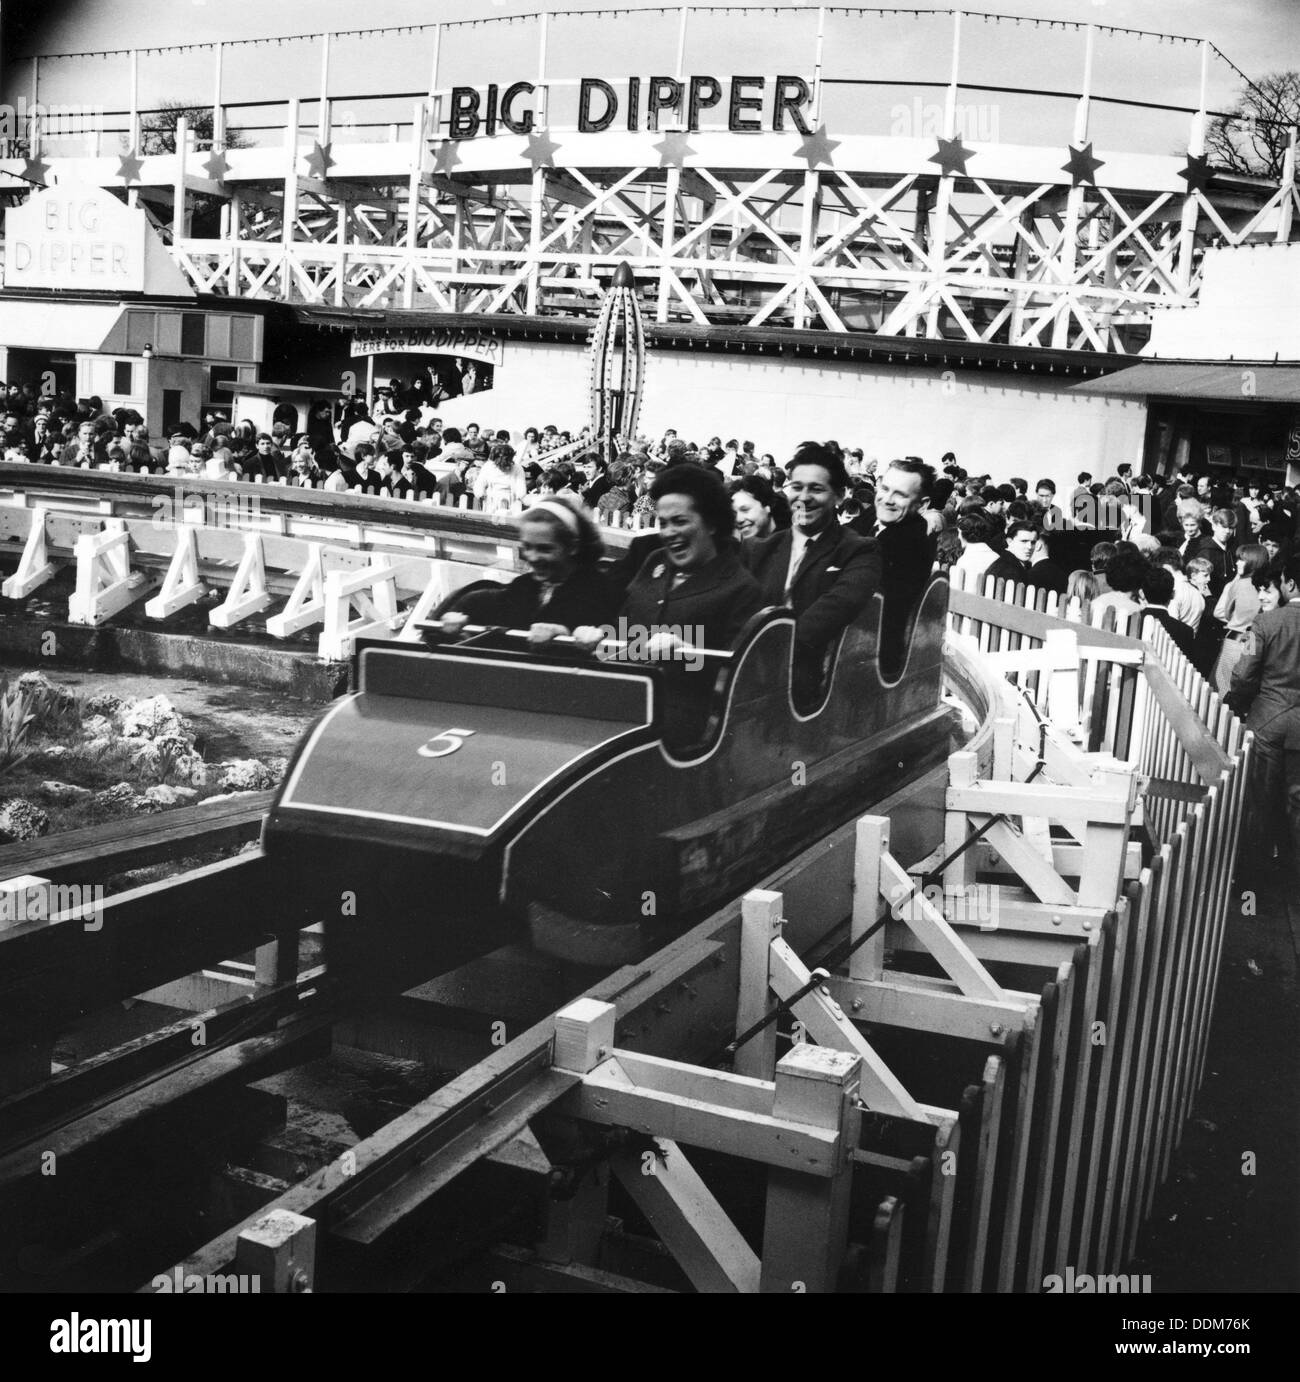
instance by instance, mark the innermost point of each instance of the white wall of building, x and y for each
(1003, 424)
(1248, 308)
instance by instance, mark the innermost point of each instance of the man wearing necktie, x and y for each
(824, 572)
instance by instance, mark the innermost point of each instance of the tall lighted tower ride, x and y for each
(617, 364)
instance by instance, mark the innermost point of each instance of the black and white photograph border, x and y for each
(650, 650)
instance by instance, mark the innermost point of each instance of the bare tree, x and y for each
(1253, 137)
(158, 128)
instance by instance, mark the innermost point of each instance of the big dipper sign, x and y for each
(753, 104)
(75, 236)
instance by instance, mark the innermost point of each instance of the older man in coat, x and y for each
(1266, 690)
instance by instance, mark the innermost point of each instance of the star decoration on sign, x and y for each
(128, 167)
(216, 166)
(319, 161)
(35, 171)
(541, 150)
(1197, 172)
(951, 157)
(817, 147)
(447, 157)
(1082, 166)
(673, 149)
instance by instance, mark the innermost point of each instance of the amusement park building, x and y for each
(941, 286)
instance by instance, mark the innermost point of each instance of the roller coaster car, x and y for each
(462, 795)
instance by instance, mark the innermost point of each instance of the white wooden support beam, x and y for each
(963, 771)
(374, 592)
(1056, 803)
(1067, 859)
(1047, 660)
(1004, 743)
(826, 1024)
(1105, 844)
(1038, 874)
(1063, 679)
(584, 1035)
(306, 603)
(105, 582)
(34, 566)
(289, 210)
(248, 593)
(687, 1108)
(921, 1003)
(280, 1250)
(688, 1218)
(182, 585)
(760, 924)
(432, 596)
(1019, 912)
(928, 924)
(805, 1227)
(218, 112)
(178, 186)
(871, 842)
(25, 897)
(323, 111)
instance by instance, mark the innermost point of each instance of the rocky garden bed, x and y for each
(70, 759)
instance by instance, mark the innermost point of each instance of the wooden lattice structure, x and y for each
(1049, 244)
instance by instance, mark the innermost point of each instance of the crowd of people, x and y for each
(1208, 558)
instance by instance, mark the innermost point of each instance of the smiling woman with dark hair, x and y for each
(695, 581)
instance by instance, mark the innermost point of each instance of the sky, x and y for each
(1259, 36)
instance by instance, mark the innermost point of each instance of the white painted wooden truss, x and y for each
(106, 585)
(803, 1125)
(1007, 261)
(34, 566)
(855, 232)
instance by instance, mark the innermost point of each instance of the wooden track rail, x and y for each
(1008, 1085)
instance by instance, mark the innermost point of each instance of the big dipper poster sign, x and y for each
(752, 104)
(75, 236)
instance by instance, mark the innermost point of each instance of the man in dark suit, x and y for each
(1014, 564)
(1157, 591)
(826, 573)
(1266, 690)
(907, 550)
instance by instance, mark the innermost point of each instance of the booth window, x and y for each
(192, 333)
(123, 378)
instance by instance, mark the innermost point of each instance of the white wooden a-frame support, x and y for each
(876, 868)
(374, 592)
(248, 593)
(433, 595)
(34, 566)
(105, 583)
(824, 1021)
(694, 1227)
(182, 584)
(804, 1126)
(306, 605)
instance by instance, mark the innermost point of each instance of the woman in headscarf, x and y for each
(562, 588)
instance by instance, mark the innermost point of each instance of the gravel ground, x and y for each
(1228, 1218)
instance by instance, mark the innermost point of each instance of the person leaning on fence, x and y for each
(1265, 690)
